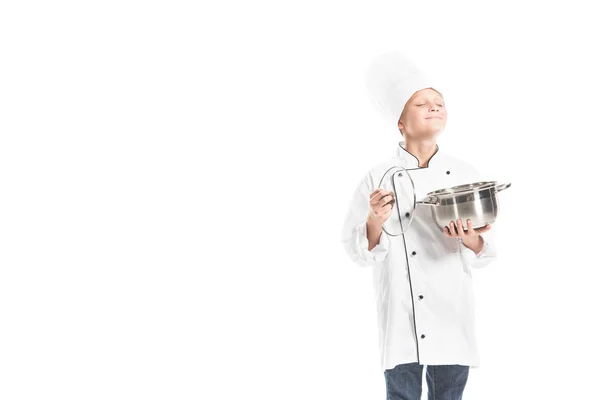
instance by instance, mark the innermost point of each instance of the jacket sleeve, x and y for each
(354, 230)
(488, 253)
(485, 256)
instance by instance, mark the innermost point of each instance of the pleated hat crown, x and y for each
(391, 79)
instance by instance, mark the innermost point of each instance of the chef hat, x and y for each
(391, 80)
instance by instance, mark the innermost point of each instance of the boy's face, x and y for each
(424, 115)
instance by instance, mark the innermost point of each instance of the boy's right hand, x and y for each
(380, 206)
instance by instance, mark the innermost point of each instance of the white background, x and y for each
(174, 178)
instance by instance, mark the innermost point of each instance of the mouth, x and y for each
(433, 118)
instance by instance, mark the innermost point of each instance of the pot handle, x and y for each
(502, 187)
(429, 201)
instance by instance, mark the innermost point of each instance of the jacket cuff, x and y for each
(481, 259)
(376, 254)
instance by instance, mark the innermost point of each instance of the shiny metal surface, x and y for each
(477, 202)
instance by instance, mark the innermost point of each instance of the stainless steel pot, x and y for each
(475, 201)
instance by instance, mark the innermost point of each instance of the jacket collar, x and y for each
(409, 159)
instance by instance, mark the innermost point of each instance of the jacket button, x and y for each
(422, 336)
(414, 253)
(447, 172)
(407, 215)
(420, 297)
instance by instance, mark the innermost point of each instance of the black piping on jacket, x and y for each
(406, 252)
(412, 300)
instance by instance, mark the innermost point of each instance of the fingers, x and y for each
(387, 199)
(484, 229)
(382, 206)
(450, 230)
(376, 196)
(453, 229)
(447, 232)
(381, 203)
(458, 230)
(385, 204)
(381, 198)
(470, 230)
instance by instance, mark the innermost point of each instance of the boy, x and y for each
(422, 279)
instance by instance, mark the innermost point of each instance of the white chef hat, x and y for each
(391, 80)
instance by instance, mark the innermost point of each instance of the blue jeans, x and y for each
(444, 382)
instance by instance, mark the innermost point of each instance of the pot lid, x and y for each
(398, 181)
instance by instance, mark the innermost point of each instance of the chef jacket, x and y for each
(422, 279)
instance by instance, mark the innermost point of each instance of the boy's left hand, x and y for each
(456, 230)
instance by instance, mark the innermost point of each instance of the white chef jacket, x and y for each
(422, 279)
